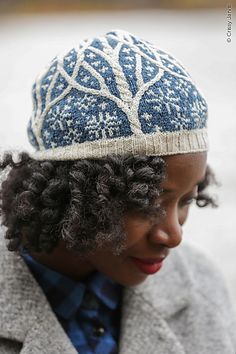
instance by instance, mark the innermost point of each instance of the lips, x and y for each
(149, 265)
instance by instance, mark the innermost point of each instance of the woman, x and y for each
(95, 215)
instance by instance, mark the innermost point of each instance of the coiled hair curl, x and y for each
(81, 202)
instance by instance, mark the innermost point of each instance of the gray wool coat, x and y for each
(183, 309)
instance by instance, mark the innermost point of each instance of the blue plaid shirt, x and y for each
(89, 311)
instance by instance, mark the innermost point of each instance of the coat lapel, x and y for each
(26, 316)
(148, 308)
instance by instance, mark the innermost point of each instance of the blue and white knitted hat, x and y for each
(116, 94)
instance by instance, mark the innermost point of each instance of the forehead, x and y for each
(185, 170)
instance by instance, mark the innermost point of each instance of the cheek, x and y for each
(136, 228)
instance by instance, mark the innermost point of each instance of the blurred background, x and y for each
(198, 32)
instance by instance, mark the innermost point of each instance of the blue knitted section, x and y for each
(59, 87)
(81, 117)
(113, 86)
(34, 97)
(149, 70)
(31, 136)
(172, 104)
(103, 68)
(45, 82)
(127, 61)
(69, 61)
(112, 42)
(144, 47)
(84, 78)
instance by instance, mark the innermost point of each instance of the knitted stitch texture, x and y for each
(116, 94)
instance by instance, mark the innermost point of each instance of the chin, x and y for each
(129, 282)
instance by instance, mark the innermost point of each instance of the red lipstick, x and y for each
(147, 266)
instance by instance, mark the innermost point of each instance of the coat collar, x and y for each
(149, 307)
(146, 309)
(25, 313)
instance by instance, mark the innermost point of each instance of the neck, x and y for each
(65, 261)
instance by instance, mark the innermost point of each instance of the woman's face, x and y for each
(154, 240)
(145, 239)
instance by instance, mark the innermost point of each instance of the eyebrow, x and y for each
(169, 190)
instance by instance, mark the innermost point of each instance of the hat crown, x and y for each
(111, 87)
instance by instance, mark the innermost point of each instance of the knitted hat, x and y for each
(116, 94)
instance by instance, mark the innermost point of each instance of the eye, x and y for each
(188, 201)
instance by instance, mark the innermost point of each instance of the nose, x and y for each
(167, 231)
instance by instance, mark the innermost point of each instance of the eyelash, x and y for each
(189, 201)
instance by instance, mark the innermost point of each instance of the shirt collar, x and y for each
(108, 291)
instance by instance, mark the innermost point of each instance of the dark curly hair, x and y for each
(81, 202)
